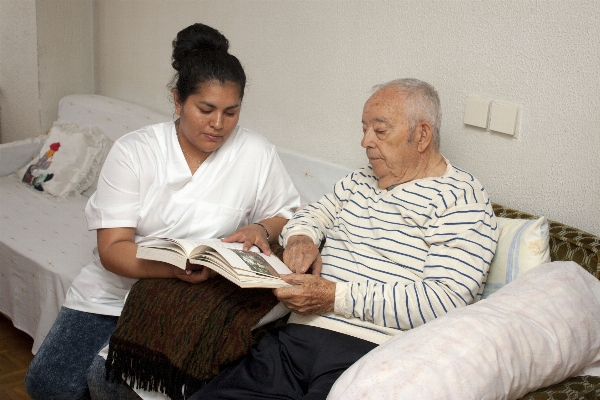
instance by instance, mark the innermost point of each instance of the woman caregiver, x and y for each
(201, 176)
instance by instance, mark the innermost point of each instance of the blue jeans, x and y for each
(59, 369)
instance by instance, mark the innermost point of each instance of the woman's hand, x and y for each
(250, 235)
(255, 235)
(193, 273)
(301, 254)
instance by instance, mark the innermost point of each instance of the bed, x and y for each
(44, 243)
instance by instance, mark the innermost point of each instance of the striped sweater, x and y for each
(399, 257)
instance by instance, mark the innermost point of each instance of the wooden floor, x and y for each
(15, 356)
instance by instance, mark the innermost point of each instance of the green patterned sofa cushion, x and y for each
(577, 388)
(566, 244)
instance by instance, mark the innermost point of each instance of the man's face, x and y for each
(386, 138)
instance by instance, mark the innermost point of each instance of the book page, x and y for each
(258, 263)
(189, 247)
(216, 243)
(161, 243)
(242, 278)
(162, 254)
(277, 264)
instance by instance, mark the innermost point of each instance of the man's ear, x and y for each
(424, 136)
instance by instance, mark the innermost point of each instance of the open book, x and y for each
(247, 269)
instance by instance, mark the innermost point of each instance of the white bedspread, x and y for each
(44, 244)
(37, 268)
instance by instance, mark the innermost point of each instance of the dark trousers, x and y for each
(295, 362)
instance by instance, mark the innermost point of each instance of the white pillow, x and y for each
(68, 162)
(522, 245)
(113, 117)
(536, 331)
(90, 191)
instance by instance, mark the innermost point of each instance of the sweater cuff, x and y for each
(341, 291)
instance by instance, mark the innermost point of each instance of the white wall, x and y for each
(311, 65)
(46, 52)
(65, 53)
(132, 48)
(19, 91)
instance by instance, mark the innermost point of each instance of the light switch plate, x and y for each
(476, 112)
(504, 118)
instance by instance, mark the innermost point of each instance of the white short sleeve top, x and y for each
(146, 184)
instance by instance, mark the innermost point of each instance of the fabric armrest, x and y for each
(15, 155)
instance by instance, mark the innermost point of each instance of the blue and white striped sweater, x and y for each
(400, 257)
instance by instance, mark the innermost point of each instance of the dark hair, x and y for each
(199, 56)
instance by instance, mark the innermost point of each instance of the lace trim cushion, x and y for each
(68, 162)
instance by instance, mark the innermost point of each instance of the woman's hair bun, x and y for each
(196, 39)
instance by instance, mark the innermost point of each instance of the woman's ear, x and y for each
(175, 94)
(425, 133)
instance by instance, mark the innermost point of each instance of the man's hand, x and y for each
(309, 295)
(301, 254)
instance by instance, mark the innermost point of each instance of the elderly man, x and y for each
(406, 239)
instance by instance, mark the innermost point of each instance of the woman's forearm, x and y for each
(120, 258)
(274, 226)
(117, 250)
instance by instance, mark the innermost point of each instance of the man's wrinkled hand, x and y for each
(308, 295)
(300, 254)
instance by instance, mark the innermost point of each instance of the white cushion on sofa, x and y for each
(114, 117)
(522, 245)
(536, 331)
(311, 176)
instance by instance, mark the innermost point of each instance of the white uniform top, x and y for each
(146, 184)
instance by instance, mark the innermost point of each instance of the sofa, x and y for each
(566, 244)
(44, 241)
(527, 340)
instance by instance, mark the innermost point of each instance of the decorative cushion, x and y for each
(68, 162)
(522, 245)
(566, 242)
(534, 332)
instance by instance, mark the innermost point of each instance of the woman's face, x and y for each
(207, 118)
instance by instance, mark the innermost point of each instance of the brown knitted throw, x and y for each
(173, 335)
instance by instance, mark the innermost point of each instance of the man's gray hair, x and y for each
(423, 104)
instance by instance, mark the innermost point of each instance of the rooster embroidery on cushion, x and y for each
(41, 164)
